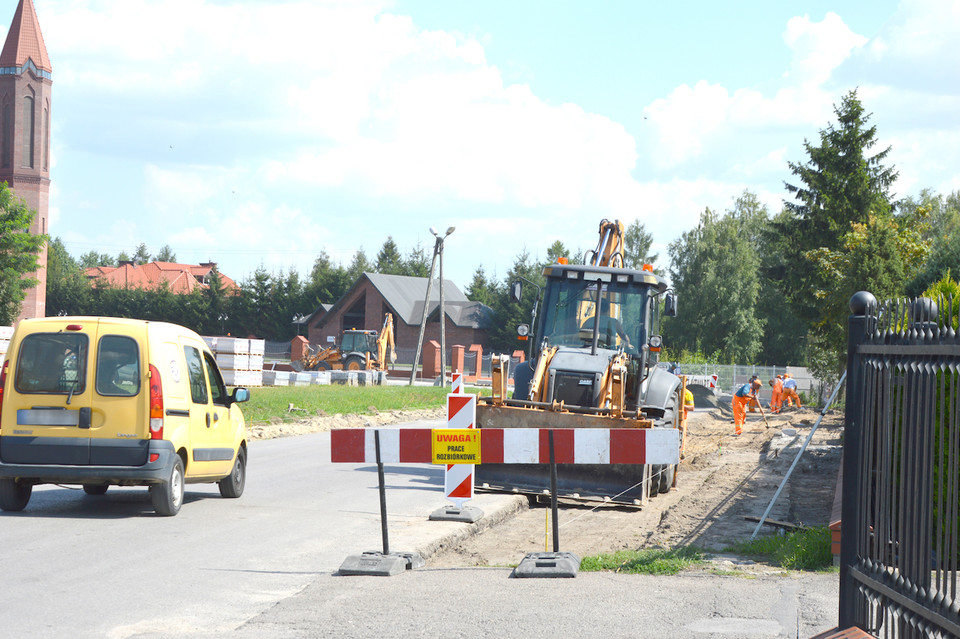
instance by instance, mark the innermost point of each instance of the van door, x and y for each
(119, 430)
(209, 456)
(50, 403)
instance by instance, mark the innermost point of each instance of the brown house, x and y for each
(179, 278)
(374, 295)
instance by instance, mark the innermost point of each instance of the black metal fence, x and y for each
(901, 507)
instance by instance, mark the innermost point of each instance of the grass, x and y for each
(644, 562)
(273, 402)
(802, 550)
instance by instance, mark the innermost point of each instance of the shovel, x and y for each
(760, 406)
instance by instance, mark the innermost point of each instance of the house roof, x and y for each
(24, 40)
(179, 278)
(405, 295)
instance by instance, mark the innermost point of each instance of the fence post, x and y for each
(861, 322)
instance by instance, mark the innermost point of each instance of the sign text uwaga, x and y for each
(456, 445)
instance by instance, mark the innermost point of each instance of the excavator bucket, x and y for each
(619, 483)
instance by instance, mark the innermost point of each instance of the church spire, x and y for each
(24, 41)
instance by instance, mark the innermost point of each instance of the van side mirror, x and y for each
(670, 305)
(516, 290)
(240, 395)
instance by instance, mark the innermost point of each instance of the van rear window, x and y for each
(118, 366)
(52, 363)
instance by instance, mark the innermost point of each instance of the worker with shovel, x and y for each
(741, 398)
(790, 390)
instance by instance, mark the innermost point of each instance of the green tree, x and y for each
(327, 282)
(141, 255)
(481, 289)
(637, 242)
(841, 184)
(19, 253)
(358, 266)
(389, 261)
(417, 263)
(555, 252)
(714, 269)
(166, 254)
(92, 258)
(880, 256)
(508, 314)
(67, 287)
(943, 235)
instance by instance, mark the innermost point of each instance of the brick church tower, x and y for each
(25, 89)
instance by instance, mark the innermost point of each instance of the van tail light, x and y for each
(156, 404)
(3, 382)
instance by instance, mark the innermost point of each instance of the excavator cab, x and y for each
(355, 341)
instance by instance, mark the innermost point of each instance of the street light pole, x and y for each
(443, 314)
(437, 251)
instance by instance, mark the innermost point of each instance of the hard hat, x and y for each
(757, 382)
(786, 375)
(779, 376)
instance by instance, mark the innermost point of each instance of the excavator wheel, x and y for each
(322, 366)
(354, 363)
(664, 473)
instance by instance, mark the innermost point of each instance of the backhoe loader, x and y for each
(357, 350)
(595, 366)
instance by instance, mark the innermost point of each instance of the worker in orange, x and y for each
(776, 397)
(790, 390)
(741, 398)
(754, 403)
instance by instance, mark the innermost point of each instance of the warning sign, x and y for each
(455, 445)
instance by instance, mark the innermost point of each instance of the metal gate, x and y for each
(901, 509)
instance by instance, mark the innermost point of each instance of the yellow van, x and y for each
(101, 401)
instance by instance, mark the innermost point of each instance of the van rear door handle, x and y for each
(208, 420)
(85, 415)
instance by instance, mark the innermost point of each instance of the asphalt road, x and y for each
(264, 566)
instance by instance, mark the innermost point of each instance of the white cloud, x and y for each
(818, 47)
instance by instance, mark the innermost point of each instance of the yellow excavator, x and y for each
(356, 350)
(595, 366)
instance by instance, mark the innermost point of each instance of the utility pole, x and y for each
(437, 250)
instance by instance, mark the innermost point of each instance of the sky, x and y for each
(260, 133)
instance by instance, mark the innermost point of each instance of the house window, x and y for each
(26, 161)
(46, 139)
(6, 151)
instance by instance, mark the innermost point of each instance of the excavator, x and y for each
(595, 366)
(356, 350)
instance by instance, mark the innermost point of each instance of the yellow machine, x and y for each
(595, 367)
(357, 350)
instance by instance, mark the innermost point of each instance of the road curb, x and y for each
(511, 508)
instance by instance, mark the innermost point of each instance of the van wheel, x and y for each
(14, 495)
(168, 496)
(232, 484)
(95, 489)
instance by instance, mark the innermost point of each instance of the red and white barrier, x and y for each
(515, 446)
(710, 381)
(461, 413)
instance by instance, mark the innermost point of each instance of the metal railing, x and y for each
(901, 510)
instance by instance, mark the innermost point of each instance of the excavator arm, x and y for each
(609, 251)
(386, 349)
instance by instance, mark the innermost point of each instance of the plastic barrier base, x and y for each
(467, 514)
(548, 564)
(378, 564)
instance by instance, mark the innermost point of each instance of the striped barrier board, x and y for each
(515, 445)
(461, 413)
